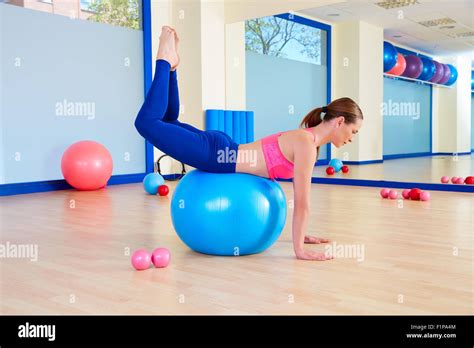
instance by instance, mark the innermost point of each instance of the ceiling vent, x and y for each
(465, 34)
(437, 22)
(391, 4)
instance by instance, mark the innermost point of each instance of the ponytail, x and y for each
(312, 119)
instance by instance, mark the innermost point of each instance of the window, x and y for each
(279, 37)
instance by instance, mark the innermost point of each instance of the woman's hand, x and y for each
(311, 255)
(315, 240)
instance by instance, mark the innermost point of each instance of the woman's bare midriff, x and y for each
(250, 158)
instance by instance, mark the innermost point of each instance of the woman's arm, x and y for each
(304, 158)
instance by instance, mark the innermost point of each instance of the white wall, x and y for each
(370, 81)
(452, 109)
(235, 66)
(357, 73)
(239, 10)
(213, 55)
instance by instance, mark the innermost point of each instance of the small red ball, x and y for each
(330, 170)
(345, 169)
(406, 194)
(415, 194)
(163, 190)
(469, 180)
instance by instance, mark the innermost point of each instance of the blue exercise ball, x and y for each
(390, 56)
(336, 164)
(151, 182)
(453, 77)
(228, 214)
(429, 69)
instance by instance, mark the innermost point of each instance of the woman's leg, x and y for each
(179, 140)
(172, 112)
(190, 147)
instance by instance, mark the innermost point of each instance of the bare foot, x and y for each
(176, 44)
(166, 49)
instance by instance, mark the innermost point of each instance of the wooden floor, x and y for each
(418, 258)
(419, 169)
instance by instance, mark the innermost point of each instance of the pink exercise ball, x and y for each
(392, 194)
(425, 196)
(384, 193)
(141, 259)
(87, 165)
(160, 257)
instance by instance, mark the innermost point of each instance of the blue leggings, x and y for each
(157, 121)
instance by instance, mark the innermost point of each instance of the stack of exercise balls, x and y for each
(416, 67)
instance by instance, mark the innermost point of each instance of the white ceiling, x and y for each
(401, 24)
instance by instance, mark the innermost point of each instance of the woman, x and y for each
(289, 154)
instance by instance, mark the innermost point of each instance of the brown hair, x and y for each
(344, 107)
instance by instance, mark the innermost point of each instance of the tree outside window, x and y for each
(279, 37)
(124, 13)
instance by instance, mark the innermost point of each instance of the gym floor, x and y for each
(417, 257)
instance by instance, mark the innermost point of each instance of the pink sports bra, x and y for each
(278, 166)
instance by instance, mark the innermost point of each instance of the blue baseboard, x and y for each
(54, 185)
(407, 155)
(450, 153)
(362, 162)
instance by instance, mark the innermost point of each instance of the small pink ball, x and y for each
(425, 196)
(393, 194)
(141, 259)
(460, 181)
(384, 192)
(444, 179)
(160, 257)
(406, 194)
(454, 179)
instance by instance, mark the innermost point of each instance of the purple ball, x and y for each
(414, 66)
(438, 73)
(446, 75)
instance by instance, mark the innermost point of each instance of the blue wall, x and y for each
(406, 117)
(83, 63)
